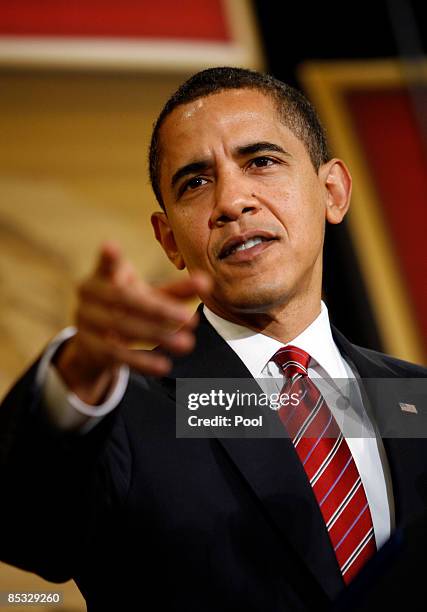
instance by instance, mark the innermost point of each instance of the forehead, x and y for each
(220, 121)
(220, 112)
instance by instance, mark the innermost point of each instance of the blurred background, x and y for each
(80, 86)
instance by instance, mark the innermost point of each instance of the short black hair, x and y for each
(294, 109)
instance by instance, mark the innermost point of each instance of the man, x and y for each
(100, 489)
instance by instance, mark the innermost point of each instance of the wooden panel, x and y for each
(13, 580)
(72, 173)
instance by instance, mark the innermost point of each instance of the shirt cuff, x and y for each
(64, 408)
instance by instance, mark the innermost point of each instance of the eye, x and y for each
(193, 183)
(262, 162)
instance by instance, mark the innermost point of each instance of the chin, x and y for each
(257, 299)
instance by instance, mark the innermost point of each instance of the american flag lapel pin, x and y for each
(408, 408)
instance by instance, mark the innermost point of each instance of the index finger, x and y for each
(109, 259)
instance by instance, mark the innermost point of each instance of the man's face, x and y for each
(243, 202)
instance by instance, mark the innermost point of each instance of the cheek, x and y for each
(310, 229)
(302, 216)
(191, 239)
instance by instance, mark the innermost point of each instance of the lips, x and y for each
(246, 240)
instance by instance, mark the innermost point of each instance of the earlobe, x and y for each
(164, 234)
(337, 180)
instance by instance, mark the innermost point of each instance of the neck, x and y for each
(284, 322)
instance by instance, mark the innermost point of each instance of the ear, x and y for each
(165, 236)
(337, 181)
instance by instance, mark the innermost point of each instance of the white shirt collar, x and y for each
(256, 349)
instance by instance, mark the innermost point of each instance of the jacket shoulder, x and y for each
(399, 367)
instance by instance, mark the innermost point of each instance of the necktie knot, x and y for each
(292, 360)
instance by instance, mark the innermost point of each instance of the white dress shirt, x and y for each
(67, 411)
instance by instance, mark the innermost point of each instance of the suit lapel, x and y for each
(272, 470)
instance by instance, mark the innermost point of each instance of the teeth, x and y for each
(248, 244)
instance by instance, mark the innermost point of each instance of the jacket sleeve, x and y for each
(56, 487)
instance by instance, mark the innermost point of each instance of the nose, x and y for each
(233, 197)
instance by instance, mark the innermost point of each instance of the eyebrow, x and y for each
(258, 147)
(241, 151)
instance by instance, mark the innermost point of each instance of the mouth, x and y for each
(248, 243)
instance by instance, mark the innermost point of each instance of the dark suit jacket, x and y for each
(134, 514)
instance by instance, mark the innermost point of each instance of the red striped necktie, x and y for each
(328, 463)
